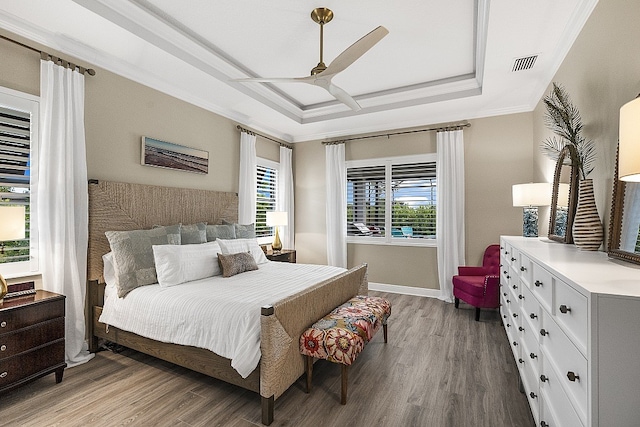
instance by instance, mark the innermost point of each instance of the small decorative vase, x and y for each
(587, 227)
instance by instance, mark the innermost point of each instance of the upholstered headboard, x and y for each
(122, 206)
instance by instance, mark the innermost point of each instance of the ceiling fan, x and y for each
(321, 74)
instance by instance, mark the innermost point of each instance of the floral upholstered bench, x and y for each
(342, 334)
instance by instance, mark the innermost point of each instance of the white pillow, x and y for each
(109, 272)
(243, 245)
(177, 264)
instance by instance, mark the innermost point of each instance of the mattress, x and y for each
(218, 314)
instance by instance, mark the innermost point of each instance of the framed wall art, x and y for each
(168, 155)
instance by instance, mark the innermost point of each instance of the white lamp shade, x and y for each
(532, 194)
(11, 223)
(629, 148)
(276, 218)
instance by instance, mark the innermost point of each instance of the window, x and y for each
(404, 215)
(267, 190)
(18, 133)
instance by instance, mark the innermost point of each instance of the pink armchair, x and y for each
(479, 286)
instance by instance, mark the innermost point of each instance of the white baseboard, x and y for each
(405, 290)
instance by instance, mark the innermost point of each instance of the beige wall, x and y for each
(498, 153)
(601, 72)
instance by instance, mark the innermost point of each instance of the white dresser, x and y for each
(573, 320)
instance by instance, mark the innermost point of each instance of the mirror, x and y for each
(564, 196)
(624, 225)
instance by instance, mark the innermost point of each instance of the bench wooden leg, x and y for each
(267, 409)
(308, 363)
(343, 395)
(384, 330)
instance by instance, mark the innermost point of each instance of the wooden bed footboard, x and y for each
(282, 324)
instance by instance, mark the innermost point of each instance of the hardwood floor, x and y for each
(439, 368)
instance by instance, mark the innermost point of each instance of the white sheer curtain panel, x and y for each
(61, 199)
(285, 197)
(247, 180)
(450, 209)
(336, 205)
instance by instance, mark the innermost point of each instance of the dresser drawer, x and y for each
(556, 409)
(27, 338)
(569, 364)
(20, 317)
(571, 313)
(531, 309)
(542, 286)
(525, 268)
(31, 364)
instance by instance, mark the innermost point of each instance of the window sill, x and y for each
(398, 241)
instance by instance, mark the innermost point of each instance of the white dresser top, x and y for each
(592, 271)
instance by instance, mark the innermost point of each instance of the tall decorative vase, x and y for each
(587, 227)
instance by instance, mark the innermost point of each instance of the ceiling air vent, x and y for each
(526, 63)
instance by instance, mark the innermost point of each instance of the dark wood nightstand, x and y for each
(31, 338)
(285, 255)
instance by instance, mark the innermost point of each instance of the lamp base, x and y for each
(277, 244)
(530, 222)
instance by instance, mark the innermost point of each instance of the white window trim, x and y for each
(260, 161)
(387, 162)
(28, 103)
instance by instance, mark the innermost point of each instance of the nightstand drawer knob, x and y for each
(4, 374)
(3, 347)
(3, 324)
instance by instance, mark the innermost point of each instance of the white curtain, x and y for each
(247, 180)
(450, 209)
(336, 205)
(285, 197)
(62, 199)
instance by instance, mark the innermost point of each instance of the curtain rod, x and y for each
(438, 129)
(250, 132)
(48, 57)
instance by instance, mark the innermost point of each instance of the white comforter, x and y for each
(219, 314)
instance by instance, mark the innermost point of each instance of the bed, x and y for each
(126, 206)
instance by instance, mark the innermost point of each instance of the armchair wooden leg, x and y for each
(456, 302)
(477, 314)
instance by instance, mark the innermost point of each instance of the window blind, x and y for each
(414, 199)
(15, 145)
(266, 198)
(366, 197)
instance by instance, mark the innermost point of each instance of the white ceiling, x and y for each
(443, 60)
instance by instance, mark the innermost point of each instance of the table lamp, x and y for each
(276, 219)
(629, 142)
(11, 228)
(529, 197)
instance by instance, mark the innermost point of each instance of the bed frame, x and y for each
(124, 206)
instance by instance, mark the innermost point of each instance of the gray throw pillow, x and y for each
(193, 234)
(236, 263)
(243, 231)
(133, 255)
(226, 231)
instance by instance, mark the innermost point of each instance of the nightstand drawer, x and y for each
(20, 317)
(31, 364)
(31, 337)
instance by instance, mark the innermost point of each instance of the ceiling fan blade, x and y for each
(343, 96)
(356, 50)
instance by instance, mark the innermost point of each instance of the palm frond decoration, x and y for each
(563, 119)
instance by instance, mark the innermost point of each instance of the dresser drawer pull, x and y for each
(3, 324)
(520, 296)
(4, 374)
(3, 347)
(564, 309)
(515, 314)
(508, 277)
(504, 293)
(523, 269)
(543, 424)
(515, 343)
(544, 332)
(533, 355)
(504, 316)
(506, 252)
(513, 259)
(538, 283)
(533, 316)
(533, 395)
(544, 378)
(508, 325)
(521, 360)
(520, 328)
(572, 376)
(515, 286)
(508, 301)
(504, 272)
